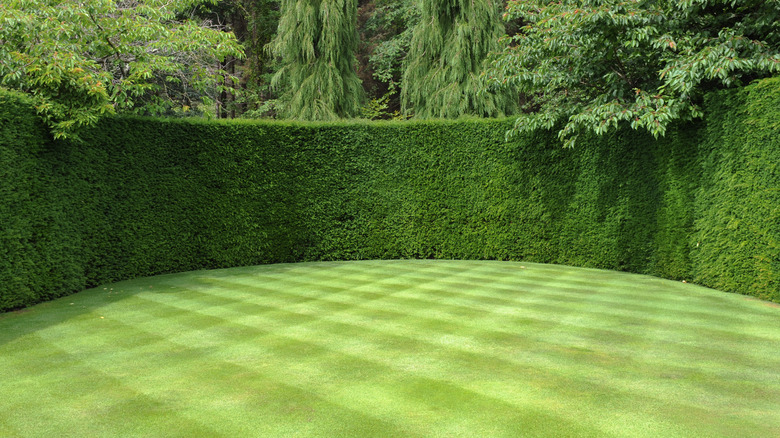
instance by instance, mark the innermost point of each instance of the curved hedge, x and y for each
(146, 196)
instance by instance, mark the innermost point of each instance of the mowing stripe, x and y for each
(302, 351)
(466, 313)
(366, 328)
(393, 348)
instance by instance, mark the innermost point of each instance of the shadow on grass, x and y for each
(19, 323)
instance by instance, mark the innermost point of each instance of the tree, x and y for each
(385, 33)
(447, 56)
(254, 24)
(591, 65)
(262, 19)
(83, 59)
(316, 42)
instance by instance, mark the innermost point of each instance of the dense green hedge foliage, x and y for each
(37, 224)
(147, 196)
(737, 201)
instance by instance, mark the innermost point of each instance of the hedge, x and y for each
(736, 235)
(140, 196)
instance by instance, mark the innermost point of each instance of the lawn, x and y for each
(400, 348)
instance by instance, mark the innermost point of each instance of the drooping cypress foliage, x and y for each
(316, 41)
(447, 55)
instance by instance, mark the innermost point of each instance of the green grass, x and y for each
(396, 349)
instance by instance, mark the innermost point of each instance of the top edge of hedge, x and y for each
(146, 195)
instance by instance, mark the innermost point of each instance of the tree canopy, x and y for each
(589, 65)
(578, 65)
(316, 42)
(81, 60)
(448, 50)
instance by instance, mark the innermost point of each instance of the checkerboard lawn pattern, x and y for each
(404, 348)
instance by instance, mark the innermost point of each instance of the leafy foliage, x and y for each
(379, 108)
(149, 196)
(736, 240)
(392, 24)
(448, 50)
(316, 42)
(593, 64)
(254, 24)
(82, 60)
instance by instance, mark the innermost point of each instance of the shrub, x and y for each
(142, 196)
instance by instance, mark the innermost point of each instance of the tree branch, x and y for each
(117, 53)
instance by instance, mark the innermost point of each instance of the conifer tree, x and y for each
(446, 58)
(316, 42)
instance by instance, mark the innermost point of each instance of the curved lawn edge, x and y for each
(398, 347)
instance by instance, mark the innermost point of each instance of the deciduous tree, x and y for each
(591, 65)
(83, 59)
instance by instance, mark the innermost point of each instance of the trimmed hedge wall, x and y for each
(147, 196)
(737, 200)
